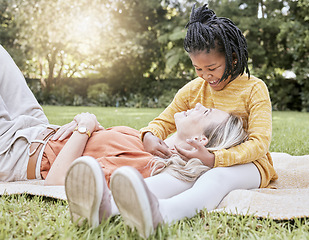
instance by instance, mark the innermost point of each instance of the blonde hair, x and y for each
(225, 135)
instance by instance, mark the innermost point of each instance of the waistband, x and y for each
(36, 148)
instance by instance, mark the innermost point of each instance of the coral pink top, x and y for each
(113, 148)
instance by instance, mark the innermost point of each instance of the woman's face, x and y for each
(210, 66)
(193, 122)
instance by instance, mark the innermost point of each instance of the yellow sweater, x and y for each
(247, 98)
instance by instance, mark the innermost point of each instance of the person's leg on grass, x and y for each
(78, 201)
(137, 205)
(87, 192)
(141, 209)
(164, 185)
(209, 190)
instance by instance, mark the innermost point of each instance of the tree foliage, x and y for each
(294, 32)
(135, 48)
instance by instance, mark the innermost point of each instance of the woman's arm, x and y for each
(73, 149)
(66, 130)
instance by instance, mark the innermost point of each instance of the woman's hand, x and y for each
(199, 151)
(87, 120)
(156, 146)
(65, 131)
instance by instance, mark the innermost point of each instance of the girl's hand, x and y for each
(156, 146)
(87, 120)
(199, 151)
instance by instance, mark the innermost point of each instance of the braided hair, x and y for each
(206, 31)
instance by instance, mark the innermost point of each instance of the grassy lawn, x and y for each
(32, 217)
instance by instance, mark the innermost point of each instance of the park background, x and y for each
(130, 52)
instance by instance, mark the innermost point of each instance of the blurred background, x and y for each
(130, 52)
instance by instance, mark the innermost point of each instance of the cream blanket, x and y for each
(286, 198)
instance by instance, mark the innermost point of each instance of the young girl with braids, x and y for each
(218, 52)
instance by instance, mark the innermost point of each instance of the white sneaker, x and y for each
(87, 192)
(137, 205)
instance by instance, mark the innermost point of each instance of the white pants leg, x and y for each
(21, 120)
(162, 186)
(209, 190)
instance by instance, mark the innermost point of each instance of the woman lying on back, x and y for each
(86, 184)
(121, 146)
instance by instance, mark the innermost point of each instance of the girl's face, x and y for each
(193, 122)
(210, 66)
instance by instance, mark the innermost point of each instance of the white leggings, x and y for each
(179, 199)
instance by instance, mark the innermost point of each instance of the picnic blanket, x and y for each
(286, 198)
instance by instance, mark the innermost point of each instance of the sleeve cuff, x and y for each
(143, 131)
(218, 156)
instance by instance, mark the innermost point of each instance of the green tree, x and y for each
(63, 38)
(99, 94)
(295, 33)
(134, 46)
(9, 31)
(172, 68)
(261, 22)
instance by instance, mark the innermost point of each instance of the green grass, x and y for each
(290, 133)
(33, 217)
(107, 116)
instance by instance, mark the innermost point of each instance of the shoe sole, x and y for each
(84, 189)
(132, 200)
